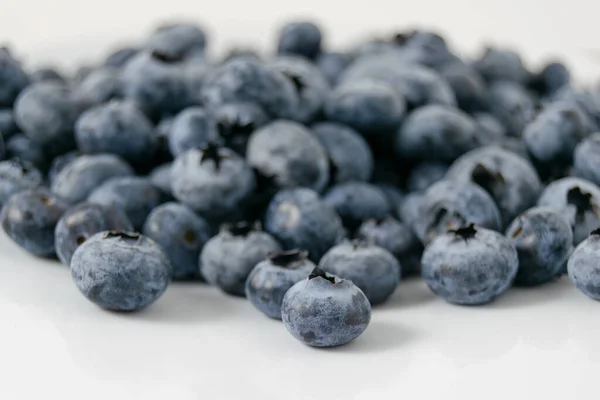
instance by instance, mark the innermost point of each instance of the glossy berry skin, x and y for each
(302, 38)
(179, 40)
(511, 105)
(586, 159)
(372, 268)
(135, 196)
(511, 180)
(395, 237)
(424, 175)
(544, 240)
(17, 176)
(436, 133)
(320, 313)
(194, 127)
(101, 86)
(244, 80)
(59, 163)
(228, 258)
(12, 79)
(350, 158)
(576, 199)
(182, 235)
(356, 202)
(583, 266)
(300, 219)
(368, 106)
(466, 83)
(29, 218)
(290, 154)
(310, 84)
(270, 279)
(214, 183)
(46, 112)
(102, 264)
(83, 221)
(119, 128)
(78, 179)
(451, 204)
(470, 266)
(553, 135)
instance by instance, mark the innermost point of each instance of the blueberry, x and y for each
(21, 147)
(350, 158)
(272, 278)
(583, 267)
(243, 80)
(544, 241)
(501, 65)
(299, 218)
(424, 47)
(511, 180)
(490, 129)
(356, 202)
(12, 79)
(553, 135)
(469, 265)
(552, 78)
(243, 53)
(290, 154)
(120, 57)
(2, 150)
(410, 209)
(228, 258)
(59, 163)
(46, 112)
(120, 271)
(236, 121)
(393, 195)
(17, 176)
(310, 84)
(135, 196)
(180, 40)
(469, 87)
(46, 74)
(119, 128)
(436, 133)
(395, 237)
(192, 128)
(29, 218)
(451, 204)
(78, 179)
(8, 125)
(585, 101)
(332, 65)
(511, 105)
(182, 235)
(424, 175)
(586, 159)
(157, 83)
(576, 199)
(365, 105)
(101, 85)
(161, 177)
(302, 38)
(372, 268)
(516, 146)
(81, 222)
(215, 181)
(325, 311)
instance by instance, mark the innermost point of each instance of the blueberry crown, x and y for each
(122, 235)
(595, 232)
(234, 127)
(317, 272)
(288, 258)
(296, 80)
(242, 228)
(581, 200)
(165, 57)
(465, 232)
(18, 163)
(489, 180)
(211, 152)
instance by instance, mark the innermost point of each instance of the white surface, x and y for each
(196, 343)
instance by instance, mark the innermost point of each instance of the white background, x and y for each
(196, 343)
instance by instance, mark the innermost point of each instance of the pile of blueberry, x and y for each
(310, 181)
